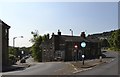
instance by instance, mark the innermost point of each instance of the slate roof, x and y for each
(93, 39)
(73, 38)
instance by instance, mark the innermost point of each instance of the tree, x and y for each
(104, 43)
(12, 55)
(114, 40)
(36, 49)
(45, 37)
(117, 39)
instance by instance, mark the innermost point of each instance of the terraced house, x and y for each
(62, 47)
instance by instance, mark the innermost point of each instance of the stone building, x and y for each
(4, 42)
(62, 47)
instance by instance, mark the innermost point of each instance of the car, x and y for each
(22, 61)
(58, 59)
(104, 51)
(26, 57)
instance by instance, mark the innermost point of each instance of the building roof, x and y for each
(93, 39)
(68, 38)
(4, 24)
(73, 38)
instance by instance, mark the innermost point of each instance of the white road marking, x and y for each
(75, 69)
(82, 70)
(59, 69)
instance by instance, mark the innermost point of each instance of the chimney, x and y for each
(83, 34)
(59, 33)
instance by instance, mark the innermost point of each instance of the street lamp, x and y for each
(71, 32)
(14, 40)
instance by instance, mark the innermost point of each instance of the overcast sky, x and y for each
(48, 17)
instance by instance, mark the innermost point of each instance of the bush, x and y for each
(12, 59)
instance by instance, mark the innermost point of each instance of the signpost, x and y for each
(83, 45)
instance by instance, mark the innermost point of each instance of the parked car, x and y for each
(23, 61)
(26, 57)
(58, 59)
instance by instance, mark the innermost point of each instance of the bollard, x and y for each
(100, 58)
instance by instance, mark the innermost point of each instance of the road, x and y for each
(105, 69)
(50, 68)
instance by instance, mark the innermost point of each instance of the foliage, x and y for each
(105, 43)
(12, 55)
(15, 52)
(36, 49)
(12, 59)
(115, 40)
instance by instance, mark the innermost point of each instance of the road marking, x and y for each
(82, 70)
(59, 70)
(75, 69)
(111, 60)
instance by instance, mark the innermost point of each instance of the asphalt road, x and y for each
(50, 68)
(105, 69)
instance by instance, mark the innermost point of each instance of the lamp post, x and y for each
(14, 40)
(71, 32)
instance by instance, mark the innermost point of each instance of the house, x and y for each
(4, 42)
(68, 48)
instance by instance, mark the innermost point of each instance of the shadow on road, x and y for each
(12, 68)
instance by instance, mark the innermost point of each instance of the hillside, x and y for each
(104, 35)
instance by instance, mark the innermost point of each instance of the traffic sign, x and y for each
(83, 44)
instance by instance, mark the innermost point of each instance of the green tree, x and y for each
(37, 40)
(104, 43)
(36, 50)
(45, 37)
(114, 40)
(117, 39)
(12, 55)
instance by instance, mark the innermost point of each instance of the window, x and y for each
(6, 32)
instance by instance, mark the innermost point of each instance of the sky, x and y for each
(48, 17)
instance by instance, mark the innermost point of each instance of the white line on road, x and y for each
(82, 70)
(59, 69)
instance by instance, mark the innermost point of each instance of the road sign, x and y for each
(83, 44)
